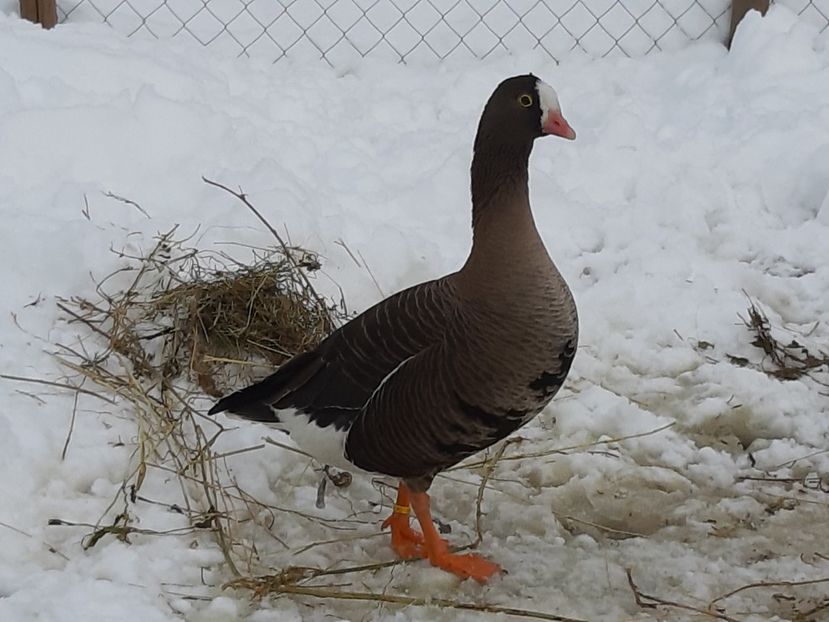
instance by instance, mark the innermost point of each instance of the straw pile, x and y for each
(171, 325)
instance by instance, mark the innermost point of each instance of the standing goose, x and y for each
(444, 369)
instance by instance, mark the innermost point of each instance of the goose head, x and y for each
(525, 108)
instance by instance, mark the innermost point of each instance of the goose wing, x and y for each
(332, 383)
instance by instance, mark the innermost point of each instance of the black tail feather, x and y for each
(240, 404)
(254, 402)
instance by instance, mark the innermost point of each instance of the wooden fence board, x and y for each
(43, 12)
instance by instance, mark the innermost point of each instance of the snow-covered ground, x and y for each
(699, 178)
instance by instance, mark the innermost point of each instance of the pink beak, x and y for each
(558, 126)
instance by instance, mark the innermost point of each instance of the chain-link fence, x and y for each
(342, 30)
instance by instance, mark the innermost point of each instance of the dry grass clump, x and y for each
(791, 360)
(175, 323)
(784, 360)
(204, 313)
(256, 313)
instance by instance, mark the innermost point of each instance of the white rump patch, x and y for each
(326, 444)
(547, 100)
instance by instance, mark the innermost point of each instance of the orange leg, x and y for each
(437, 550)
(406, 542)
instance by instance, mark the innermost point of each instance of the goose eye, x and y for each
(525, 100)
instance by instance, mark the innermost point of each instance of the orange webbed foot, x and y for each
(467, 566)
(406, 542)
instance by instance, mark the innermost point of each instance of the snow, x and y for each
(699, 178)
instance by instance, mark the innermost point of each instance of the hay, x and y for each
(175, 323)
(202, 313)
(257, 313)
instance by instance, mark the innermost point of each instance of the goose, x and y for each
(441, 370)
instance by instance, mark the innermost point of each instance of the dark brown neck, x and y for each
(504, 234)
(499, 174)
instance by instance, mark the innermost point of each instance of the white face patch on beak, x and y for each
(552, 121)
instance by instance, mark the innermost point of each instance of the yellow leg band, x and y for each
(401, 509)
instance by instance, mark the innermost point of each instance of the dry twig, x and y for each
(763, 584)
(652, 602)
(491, 463)
(60, 385)
(279, 584)
(563, 450)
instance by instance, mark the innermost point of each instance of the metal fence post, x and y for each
(43, 12)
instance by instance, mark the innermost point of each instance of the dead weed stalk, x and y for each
(788, 361)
